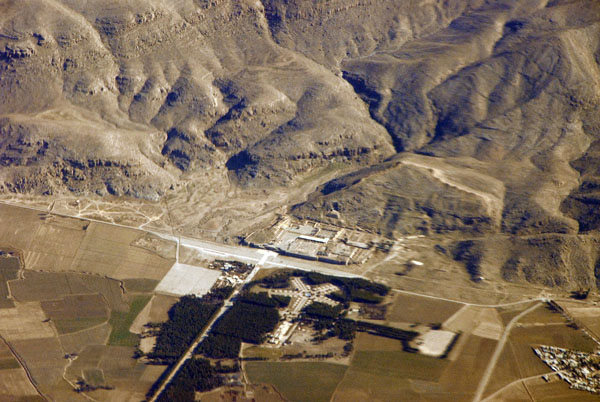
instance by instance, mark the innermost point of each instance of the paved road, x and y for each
(266, 258)
(542, 299)
(492, 364)
(201, 336)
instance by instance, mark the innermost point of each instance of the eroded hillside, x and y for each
(473, 121)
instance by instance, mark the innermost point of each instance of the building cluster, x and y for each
(319, 242)
(233, 274)
(301, 295)
(581, 370)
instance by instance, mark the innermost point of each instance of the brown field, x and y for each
(505, 372)
(117, 363)
(88, 357)
(74, 325)
(63, 391)
(543, 315)
(587, 316)
(110, 289)
(18, 224)
(140, 285)
(9, 363)
(84, 306)
(160, 307)
(25, 321)
(366, 342)
(130, 378)
(38, 286)
(514, 392)
(409, 308)
(555, 335)
(464, 320)
(53, 243)
(298, 381)
(44, 357)
(470, 363)
(9, 268)
(75, 342)
(93, 376)
(381, 371)
(108, 250)
(154, 311)
(15, 383)
(75, 313)
(263, 392)
(488, 324)
(152, 372)
(5, 352)
(557, 391)
(510, 312)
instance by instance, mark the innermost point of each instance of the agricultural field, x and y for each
(120, 323)
(68, 309)
(311, 381)
(518, 364)
(249, 393)
(9, 268)
(415, 309)
(380, 370)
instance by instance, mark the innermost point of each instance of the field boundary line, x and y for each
(26, 369)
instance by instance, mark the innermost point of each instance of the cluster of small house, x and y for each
(231, 275)
(581, 370)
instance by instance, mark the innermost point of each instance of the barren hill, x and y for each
(475, 121)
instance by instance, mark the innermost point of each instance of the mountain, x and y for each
(472, 121)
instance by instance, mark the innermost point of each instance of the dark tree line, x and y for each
(248, 322)
(263, 299)
(322, 310)
(352, 289)
(218, 346)
(187, 318)
(195, 375)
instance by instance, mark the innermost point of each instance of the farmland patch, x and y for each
(298, 381)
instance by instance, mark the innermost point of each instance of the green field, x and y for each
(298, 381)
(121, 321)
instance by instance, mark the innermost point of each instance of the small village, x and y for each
(581, 370)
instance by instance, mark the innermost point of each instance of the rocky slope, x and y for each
(470, 120)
